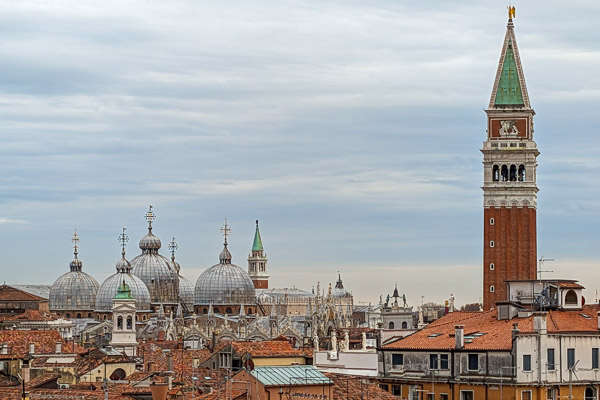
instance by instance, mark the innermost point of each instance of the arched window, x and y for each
(129, 322)
(89, 315)
(136, 318)
(78, 315)
(521, 173)
(144, 317)
(68, 315)
(571, 297)
(492, 289)
(217, 310)
(496, 174)
(104, 317)
(118, 375)
(391, 325)
(228, 310)
(249, 311)
(513, 173)
(589, 393)
(204, 310)
(504, 173)
(404, 325)
(119, 322)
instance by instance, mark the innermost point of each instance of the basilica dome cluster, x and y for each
(155, 283)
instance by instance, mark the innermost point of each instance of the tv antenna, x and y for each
(541, 266)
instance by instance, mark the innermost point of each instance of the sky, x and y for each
(350, 129)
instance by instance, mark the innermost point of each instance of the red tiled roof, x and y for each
(31, 315)
(272, 348)
(233, 394)
(18, 342)
(572, 285)
(355, 388)
(493, 334)
(9, 293)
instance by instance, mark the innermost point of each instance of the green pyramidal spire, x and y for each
(123, 292)
(257, 245)
(509, 86)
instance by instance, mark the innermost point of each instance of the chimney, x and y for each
(58, 347)
(540, 323)
(459, 336)
(169, 361)
(159, 391)
(31, 348)
(515, 330)
(598, 319)
(150, 366)
(4, 348)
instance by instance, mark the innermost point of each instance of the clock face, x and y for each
(509, 128)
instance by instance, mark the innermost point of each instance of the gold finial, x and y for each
(225, 230)
(150, 217)
(75, 241)
(511, 12)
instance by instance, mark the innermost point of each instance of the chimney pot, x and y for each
(58, 348)
(459, 336)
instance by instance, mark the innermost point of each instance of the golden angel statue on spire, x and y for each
(511, 12)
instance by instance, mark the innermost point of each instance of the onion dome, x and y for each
(110, 287)
(155, 270)
(224, 283)
(74, 290)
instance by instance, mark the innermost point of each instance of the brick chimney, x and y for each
(459, 336)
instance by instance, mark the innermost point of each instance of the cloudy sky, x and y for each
(351, 129)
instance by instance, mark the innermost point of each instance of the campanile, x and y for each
(509, 179)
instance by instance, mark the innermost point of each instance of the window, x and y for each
(526, 395)
(492, 221)
(466, 395)
(415, 393)
(433, 361)
(444, 361)
(391, 325)
(473, 364)
(129, 322)
(550, 356)
(383, 386)
(551, 393)
(443, 396)
(492, 266)
(571, 297)
(491, 243)
(595, 358)
(397, 390)
(492, 289)
(570, 358)
(397, 359)
(430, 396)
(526, 362)
(228, 310)
(404, 325)
(119, 322)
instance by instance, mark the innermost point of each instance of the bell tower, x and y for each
(257, 263)
(509, 178)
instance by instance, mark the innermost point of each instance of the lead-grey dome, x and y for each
(74, 290)
(224, 283)
(186, 292)
(108, 289)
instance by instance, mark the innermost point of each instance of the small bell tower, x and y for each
(509, 178)
(257, 263)
(123, 315)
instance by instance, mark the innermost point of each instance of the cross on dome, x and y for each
(75, 241)
(123, 239)
(150, 217)
(173, 247)
(225, 230)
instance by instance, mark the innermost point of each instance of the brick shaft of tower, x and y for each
(509, 181)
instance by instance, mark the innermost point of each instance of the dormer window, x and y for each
(571, 298)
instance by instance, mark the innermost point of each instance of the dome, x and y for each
(155, 270)
(224, 283)
(338, 290)
(74, 290)
(186, 292)
(109, 288)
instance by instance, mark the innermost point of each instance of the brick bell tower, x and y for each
(509, 179)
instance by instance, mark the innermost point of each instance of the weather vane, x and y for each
(150, 217)
(75, 241)
(123, 239)
(225, 230)
(173, 247)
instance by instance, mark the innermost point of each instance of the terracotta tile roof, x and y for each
(18, 342)
(483, 331)
(569, 284)
(9, 293)
(31, 315)
(86, 364)
(356, 388)
(41, 380)
(219, 395)
(272, 348)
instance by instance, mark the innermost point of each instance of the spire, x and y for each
(509, 86)
(339, 284)
(396, 295)
(257, 245)
(210, 310)
(242, 311)
(123, 292)
(173, 248)
(76, 264)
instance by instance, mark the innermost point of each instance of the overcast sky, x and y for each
(350, 129)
